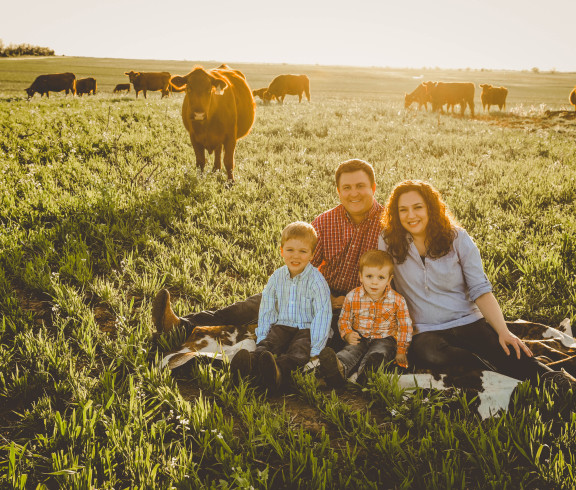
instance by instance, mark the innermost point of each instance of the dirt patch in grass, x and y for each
(558, 121)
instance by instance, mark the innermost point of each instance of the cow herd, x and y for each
(449, 94)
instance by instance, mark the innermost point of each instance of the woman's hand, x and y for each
(507, 338)
(402, 360)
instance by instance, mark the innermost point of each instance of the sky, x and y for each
(491, 34)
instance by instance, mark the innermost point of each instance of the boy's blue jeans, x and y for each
(356, 356)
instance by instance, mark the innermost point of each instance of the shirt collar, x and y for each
(374, 211)
(306, 272)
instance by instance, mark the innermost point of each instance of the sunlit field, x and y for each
(101, 206)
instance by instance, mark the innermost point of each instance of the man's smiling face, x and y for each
(356, 194)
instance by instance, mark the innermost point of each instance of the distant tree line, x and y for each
(23, 50)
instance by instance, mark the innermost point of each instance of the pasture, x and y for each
(101, 206)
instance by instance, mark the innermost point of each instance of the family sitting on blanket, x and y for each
(457, 321)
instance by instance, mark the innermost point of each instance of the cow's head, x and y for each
(407, 100)
(30, 91)
(485, 86)
(201, 87)
(132, 75)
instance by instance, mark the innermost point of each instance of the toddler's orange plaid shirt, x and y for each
(377, 319)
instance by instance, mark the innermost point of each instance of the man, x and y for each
(344, 234)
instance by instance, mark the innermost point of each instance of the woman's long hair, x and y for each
(440, 232)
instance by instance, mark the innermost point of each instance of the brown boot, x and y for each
(331, 368)
(270, 374)
(241, 364)
(163, 317)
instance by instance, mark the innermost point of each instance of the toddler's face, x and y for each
(375, 280)
(296, 253)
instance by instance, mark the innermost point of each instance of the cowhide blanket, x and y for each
(554, 347)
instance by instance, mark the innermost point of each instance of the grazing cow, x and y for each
(174, 88)
(218, 109)
(572, 98)
(284, 85)
(86, 86)
(122, 87)
(451, 93)
(420, 95)
(144, 81)
(263, 94)
(55, 82)
(493, 96)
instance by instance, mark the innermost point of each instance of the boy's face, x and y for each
(296, 253)
(375, 279)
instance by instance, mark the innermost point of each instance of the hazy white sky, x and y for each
(499, 34)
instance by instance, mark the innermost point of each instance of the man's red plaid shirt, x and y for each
(377, 319)
(341, 242)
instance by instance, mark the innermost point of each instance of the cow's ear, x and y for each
(219, 85)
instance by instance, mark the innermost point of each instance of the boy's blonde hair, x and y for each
(302, 231)
(376, 258)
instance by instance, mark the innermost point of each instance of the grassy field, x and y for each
(101, 206)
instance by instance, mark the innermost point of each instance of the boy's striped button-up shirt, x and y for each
(302, 302)
(377, 319)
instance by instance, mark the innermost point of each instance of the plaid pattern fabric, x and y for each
(300, 302)
(377, 319)
(341, 243)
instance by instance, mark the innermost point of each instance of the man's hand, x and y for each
(337, 301)
(352, 338)
(402, 360)
(507, 338)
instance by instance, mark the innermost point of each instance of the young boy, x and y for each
(294, 316)
(374, 323)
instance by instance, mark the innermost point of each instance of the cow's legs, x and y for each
(200, 156)
(144, 91)
(300, 97)
(217, 158)
(229, 147)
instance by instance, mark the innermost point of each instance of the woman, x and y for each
(458, 323)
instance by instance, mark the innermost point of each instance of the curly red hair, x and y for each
(440, 232)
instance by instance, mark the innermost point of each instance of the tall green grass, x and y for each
(101, 205)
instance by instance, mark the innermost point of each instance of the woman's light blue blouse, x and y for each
(441, 292)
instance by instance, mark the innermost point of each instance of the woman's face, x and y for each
(413, 213)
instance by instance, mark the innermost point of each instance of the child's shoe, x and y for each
(270, 375)
(331, 367)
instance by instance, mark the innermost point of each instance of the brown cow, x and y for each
(284, 85)
(174, 88)
(451, 93)
(263, 94)
(122, 87)
(493, 96)
(55, 82)
(572, 98)
(86, 86)
(144, 81)
(218, 109)
(419, 95)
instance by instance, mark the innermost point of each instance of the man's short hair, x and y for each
(375, 258)
(353, 166)
(301, 231)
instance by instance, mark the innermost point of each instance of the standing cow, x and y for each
(144, 81)
(572, 98)
(284, 85)
(55, 82)
(493, 96)
(86, 86)
(451, 93)
(218, 109)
